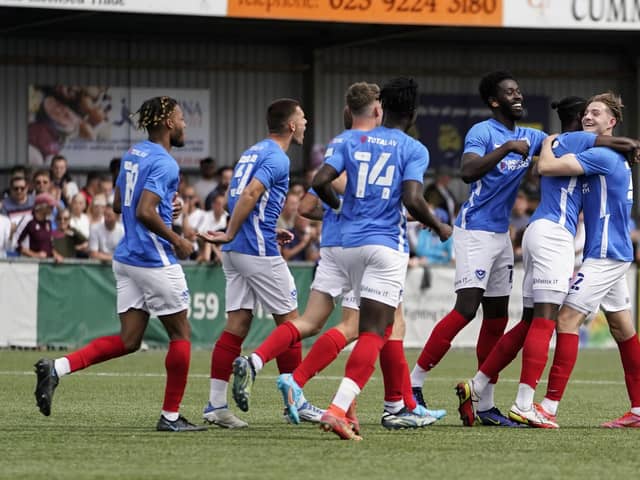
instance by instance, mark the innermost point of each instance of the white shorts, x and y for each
(600, 282)
(252, 279)
(483, 260)
(325, 277)
(374, 272)
(547, 256)
(158, 291)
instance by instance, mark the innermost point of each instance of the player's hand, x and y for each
(177, 204)
(283, 236)
(184, 248)
(215, 237)
(520, 147)
(445, 231)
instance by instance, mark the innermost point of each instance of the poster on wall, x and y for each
(90, 125)
(444, 120)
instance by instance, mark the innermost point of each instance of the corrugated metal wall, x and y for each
(242, 80)
(446, 69)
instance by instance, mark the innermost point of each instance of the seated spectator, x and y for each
(297, 187)
(95, 212)
(6, 232)
(105, 236)
(36, 240)
(18, 206)
(439, 195)
(67, 241)
(79, 219)
(214, 221)
(106, 188)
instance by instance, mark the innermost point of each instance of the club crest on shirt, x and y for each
(294, 293)
(480, 273)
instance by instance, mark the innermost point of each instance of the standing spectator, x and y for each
(36, 240)
(6, 232)
(42, 184)
(95, 212)
(106, 188)
(60, 178)
(67, 241)
(207, 181)
(92, 188)
(18, 205)
(214, 221)
(104, 237)
(192, 217)
(296, 250)
(438, 194)
(225, 174)
(79, 219)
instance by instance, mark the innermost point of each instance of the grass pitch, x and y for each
(103, 420)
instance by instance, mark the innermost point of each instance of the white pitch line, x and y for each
(451, 380)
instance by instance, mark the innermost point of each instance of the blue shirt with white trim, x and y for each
(331, 233)
(491, 198)
(377, 162)
(561, 197)
(607, 197)
(269, 164)
(146, 166)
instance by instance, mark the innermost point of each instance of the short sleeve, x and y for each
(537, 137)
(417, 163)
(478, 140)
(157, 180)
(597, 160)
(335, 154)
(270, 170)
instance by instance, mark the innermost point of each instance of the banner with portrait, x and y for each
(90, 125)
(444, 120)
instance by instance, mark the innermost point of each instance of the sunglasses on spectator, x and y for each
(19, 189)
(66, 217)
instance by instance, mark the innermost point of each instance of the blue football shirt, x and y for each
(146, 166)
(491, 198)
(377, 162)
(269, 164)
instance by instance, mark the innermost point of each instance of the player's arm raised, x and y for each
(419, 209)
(245, 205)
(552, 166)
(147, 214)
(475, 166)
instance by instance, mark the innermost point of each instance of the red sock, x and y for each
(407, 392)
(536, 350)
(98, 350)
(362, 361)
(391, 357)
(284, 336)
(440, 340)
(324, 351)
(177, 365)
(225, 351)
(491, 331)
(387, 332)
(505, 350)
(290, 359)
(630, 356)
(563, 363)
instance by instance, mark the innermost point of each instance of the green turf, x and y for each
(103, 420)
